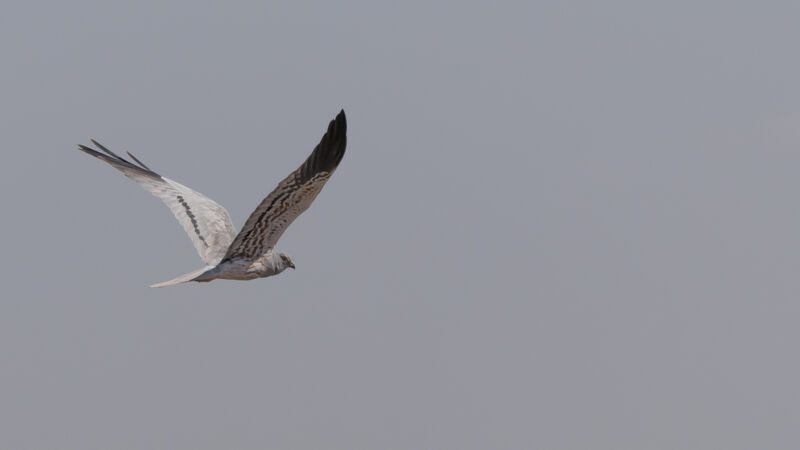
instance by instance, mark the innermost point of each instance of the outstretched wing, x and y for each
(292, 196)
(205, 221)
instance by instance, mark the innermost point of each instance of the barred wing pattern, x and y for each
(206, 222)
(292, 196)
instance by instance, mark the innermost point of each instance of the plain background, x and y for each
(558, 225)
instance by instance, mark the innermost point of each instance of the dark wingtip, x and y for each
(115, 160)
(109, 152)
(330, 150)
(99, 145)
(337, 136)
(337, 129)
(137, 161)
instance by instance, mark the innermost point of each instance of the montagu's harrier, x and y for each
(250, 253)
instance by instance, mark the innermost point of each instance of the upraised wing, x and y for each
(206, 222)
(292, 196)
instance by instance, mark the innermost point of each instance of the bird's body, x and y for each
(245, 268)
(249, 254)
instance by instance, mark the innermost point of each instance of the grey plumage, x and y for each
(248, 254)
(207, 223)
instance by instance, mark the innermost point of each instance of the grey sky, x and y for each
(558, 225)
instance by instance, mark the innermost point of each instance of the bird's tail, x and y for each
(191, 276)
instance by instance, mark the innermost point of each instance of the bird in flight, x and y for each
(251, 253)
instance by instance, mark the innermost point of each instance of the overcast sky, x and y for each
(558, 225)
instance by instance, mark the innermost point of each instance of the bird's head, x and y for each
(284, 261)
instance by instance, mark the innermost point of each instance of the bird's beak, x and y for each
(291, 265)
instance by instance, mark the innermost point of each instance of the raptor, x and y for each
(250, 253)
